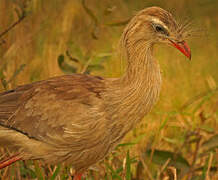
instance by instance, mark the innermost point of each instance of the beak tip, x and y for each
(189, 57)
(183, 47)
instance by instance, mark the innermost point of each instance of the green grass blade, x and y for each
(54, 175)
(128, 166)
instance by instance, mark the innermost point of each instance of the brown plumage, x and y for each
(78, 119)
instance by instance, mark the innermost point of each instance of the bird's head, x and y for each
(155, 25)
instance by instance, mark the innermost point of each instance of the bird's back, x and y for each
(63, 115)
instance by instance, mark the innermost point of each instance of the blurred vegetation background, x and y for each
(54, 37)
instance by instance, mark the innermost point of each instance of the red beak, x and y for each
(183, 47)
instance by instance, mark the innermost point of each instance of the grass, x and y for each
(178, 138)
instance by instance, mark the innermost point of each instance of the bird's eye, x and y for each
(161, 29)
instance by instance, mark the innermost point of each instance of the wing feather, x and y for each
(65, 112)
(48, 106)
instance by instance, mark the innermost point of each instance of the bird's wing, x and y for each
(55, 110)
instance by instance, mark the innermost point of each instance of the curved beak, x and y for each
(182, 47)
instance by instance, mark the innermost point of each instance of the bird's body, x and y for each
(78, 119)
(39, 118)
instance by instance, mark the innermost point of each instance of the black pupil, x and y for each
(159, 28)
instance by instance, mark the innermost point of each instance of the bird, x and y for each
(78, 119)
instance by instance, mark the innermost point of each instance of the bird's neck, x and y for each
(138, 89)
(141, 82)
(142, 70)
